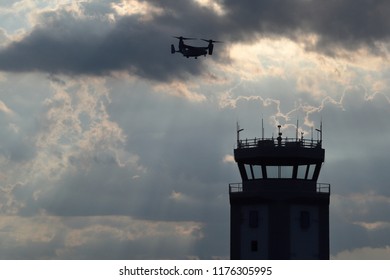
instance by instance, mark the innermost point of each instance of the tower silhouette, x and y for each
(279, 211)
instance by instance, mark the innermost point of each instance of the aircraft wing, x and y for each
(195, 48)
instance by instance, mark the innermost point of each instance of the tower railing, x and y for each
(237, 188)
(323, 188)
(278, 142)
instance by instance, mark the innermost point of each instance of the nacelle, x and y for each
(211, 47)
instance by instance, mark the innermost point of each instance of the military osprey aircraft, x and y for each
(187, 50)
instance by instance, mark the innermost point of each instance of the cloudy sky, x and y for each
(113, 148)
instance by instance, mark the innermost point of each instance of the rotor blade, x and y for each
(183, 38)
(211, 41)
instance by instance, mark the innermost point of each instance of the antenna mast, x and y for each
(312, 138)
(262, 129)
(319, 135)
(238, 134)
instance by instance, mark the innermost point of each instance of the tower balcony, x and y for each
(279, 151)
(278, 142)
(321, 188)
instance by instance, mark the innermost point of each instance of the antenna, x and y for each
(280, 136)
(320, 132)
(312, 135)
(238, 134)
(296, 131)
(262, 129)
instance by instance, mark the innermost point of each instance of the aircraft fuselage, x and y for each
(193, 52)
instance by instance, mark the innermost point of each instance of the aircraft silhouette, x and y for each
(192, 51)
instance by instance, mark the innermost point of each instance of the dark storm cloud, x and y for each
(92, 45)
(350, 24)
(78, 47)
(347, 24)
(65, 43)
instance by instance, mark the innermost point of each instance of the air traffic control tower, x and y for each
(279, 211)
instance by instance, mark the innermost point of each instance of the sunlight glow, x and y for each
(79, 233)
(228, 159)
(213, 5)
(316, 74)
(135, 7)
(181, 89)
(374, 225)
(364, 253)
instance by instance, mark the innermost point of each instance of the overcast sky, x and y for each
(113, 148)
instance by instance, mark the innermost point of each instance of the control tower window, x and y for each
(257, 171)
(254, 246)
(310, 173)
(277, 172)
(253, 219)
(286, 172)
(248, 171)
(306, 171)
(272, 172)
(253, 171)
(301, 171)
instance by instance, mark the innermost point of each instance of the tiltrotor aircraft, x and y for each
(192, 51)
